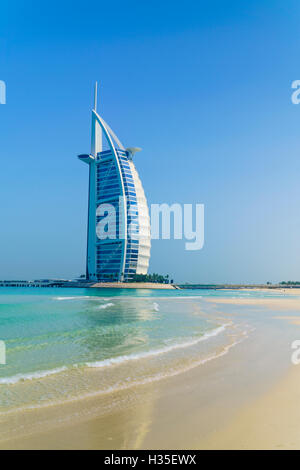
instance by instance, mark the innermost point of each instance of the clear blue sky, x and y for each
(203, 87)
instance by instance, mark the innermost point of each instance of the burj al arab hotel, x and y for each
(117, 201)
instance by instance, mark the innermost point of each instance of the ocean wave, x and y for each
(129, 297)
(82, 297)
(156, 352)
(72, 298)
(30, 376)
(171, 372)
(144, 381)
(127, 385)
(157, 297)
(114, 360)
(110, 304)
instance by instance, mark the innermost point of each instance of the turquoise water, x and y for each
(45, 329)
(68, 342)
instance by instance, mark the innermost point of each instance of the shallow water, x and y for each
(66, 343)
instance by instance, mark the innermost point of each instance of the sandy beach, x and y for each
(245, 398)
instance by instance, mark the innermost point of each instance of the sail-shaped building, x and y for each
(118, 239)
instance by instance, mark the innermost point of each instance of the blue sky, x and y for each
(203, 87)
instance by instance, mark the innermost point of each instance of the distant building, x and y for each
(114, 181)
(36, 283)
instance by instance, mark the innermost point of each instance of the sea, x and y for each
(64, 344)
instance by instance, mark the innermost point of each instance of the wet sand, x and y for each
(246, 399)
(280, 303)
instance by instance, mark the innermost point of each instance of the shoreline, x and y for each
(244, 399)
(193, 410)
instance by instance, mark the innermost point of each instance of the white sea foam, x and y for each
(156, 352)
(110, 304)
(30, 376)
(116, 360)
(77, 297)
(129, 297)
(157, 297)
(156, 378)
(65, 298)
(82, 297)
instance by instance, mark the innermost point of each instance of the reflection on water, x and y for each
(117, 329)
(48, 333)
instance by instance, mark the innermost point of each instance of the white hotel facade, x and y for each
(115, 183)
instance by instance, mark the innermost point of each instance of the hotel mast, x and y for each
(113, 180)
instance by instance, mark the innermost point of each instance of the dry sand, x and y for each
(271, 422)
